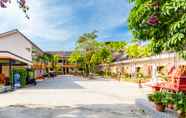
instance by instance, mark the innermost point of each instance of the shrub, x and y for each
(168, 98)
(150, 97)
(23, 75)
(158, 98)
(180, 101)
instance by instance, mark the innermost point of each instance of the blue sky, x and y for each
(57, 24)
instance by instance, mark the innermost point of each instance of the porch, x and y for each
(8, 62)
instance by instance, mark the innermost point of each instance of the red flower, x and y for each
(22, 2)
(3, 2)
(153, 20)
(2, 5)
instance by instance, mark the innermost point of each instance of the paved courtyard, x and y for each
(72, 97)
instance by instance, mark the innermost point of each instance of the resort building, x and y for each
(16, 51)
(149, 67)
(64, 66)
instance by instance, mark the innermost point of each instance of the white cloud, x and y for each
(57, 24)
(40, 23)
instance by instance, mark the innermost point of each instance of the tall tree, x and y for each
(136, 50)
(162, 22)
(46, 59)
(54, 59)
(85, 48)
(116, 46)
(133, 51)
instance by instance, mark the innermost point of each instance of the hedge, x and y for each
(23, 75)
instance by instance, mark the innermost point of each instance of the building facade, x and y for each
(16, 51)
(64, 66)
(149, 67)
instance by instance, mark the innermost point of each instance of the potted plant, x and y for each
(158, 99)
(150, 97)
(180, 103)
(169, 100)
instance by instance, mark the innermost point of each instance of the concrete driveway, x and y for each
(71, 97)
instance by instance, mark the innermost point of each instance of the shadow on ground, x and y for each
(57, 84)
(64, 82)
(80, 111)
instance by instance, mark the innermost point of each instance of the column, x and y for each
(133, 70)
(11, 73)
(154, 73)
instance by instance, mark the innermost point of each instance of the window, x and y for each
(28, 49)
(60, 61)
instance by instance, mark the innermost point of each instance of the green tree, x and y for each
(89, 53)
(54, 59)
(133, 51)
(84, 53)
(75, 57)
(162, 22)
(136, 50)
(116, 46)
(49, 59)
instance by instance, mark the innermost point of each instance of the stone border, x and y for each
(148, 107)
(5, 89)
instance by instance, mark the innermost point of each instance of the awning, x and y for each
(9, 55)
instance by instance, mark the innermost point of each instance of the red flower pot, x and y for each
(160, 107)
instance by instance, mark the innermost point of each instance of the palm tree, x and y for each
(54, 61)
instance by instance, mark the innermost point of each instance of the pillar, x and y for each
(154, 73)
(11, 73)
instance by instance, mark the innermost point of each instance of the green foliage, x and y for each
(75, 57)
(136, 51)
(23, 75)
(31, 74)
(180, 101)
(169, 98)
(116, 46)
(85, 53)
(45, 58)
(89, 53)
(133, 51)
(54, 60)
(150, 97)
(162, 22)
(49, 58)
(158, 98)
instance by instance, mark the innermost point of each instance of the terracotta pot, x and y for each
(156, 89)
(181, 114)
(160, 107)
(170, 106)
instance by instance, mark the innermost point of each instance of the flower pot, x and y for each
(160, 107)
(181, 114)
(155, 89)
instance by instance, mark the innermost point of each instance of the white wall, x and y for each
(16, 44)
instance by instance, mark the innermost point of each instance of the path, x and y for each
(70, 97)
